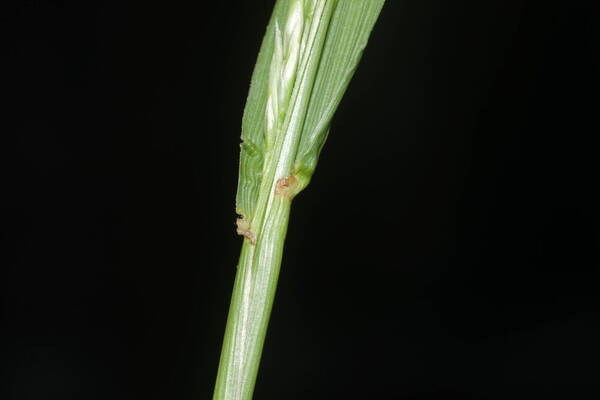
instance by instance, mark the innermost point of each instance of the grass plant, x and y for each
(308, 56)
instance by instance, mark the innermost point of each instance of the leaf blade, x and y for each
(348, 34)
(349, 29)
(252, 152)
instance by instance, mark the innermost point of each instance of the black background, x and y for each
(446, 248)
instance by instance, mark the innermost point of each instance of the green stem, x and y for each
(251, 303)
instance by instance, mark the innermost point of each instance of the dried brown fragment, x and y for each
(286, 187)
(244, 229)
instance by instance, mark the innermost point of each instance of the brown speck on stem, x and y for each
(244, 229)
